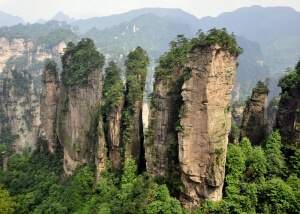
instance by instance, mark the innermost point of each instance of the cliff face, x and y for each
(20, 111)
(254, 123)
(192, 107)
(205, 122)
(288, 117)
(163, 116)
(113, 134)
(16, 47)
(49, 101)
(78, 108)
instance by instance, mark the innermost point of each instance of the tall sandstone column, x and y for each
(205, 124)
(191, 106)
(49, 102)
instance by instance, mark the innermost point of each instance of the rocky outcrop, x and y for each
(288, 117)
(20, 110)
(113, 134)
(78, 109)
(254, 123)
(49, 102)
(191, 107)
(163, 116)
(205, 122)
(16, 47)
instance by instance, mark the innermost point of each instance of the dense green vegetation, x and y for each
(292, 79)
(79, 60)
(181, 46)
(35, 186)
(258, 180)
(33, 31)
(113, 88)
(136, 71)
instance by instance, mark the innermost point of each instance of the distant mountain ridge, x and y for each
(101, 23)
(60, 16)
(9, 20)
(256, 23)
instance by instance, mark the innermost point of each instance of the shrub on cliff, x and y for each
(292, 79)
(79, 60)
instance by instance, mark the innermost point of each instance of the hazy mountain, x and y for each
(9, 20)
(60, 16)
(108, 21)
(256, 23)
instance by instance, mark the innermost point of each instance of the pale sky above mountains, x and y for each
(32, 10)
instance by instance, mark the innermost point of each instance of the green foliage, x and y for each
(113, 88)
(7, 204)
(21, 82)
(295, 163)
(79, 60)
(292, 79)
(275, 160)
(254, 181)
(51, 65)
(261, 88)
(56, 36)
(136, 71)
(175, 58)
(217, 37)
(181, 46)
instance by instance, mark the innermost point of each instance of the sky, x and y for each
(32, 10)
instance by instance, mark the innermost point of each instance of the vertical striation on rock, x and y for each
(205, 122)
(288, 114)
(77, 125)
(254, 123)
(288, 117)
(19, 109)
(132, 134)
(163, 116)
(77, 108)
(190, 116)
(49, 102)
(112, 108)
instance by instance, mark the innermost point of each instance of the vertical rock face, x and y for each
(4, 161)
(254, 123)
(49, 102)
(162, 119)
(205, 122)
(113, 134)
(191, 106)
(288, 117)
(133, 148)
(20, 110)
(78, 107)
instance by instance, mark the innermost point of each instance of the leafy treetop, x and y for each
(79, 60)
(181, 46)
(292, 79)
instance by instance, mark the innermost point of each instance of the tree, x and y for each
(7, 204)
(275, 160)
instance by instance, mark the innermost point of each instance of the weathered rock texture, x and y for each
(288, 117)
(23, 109)
(113, 134)
(133, 148)
(4, 161)
(201, 125)
(78, 118)
(205, 122)
(49, 102)
(163, 116)
(19, 110)
(254, 123)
